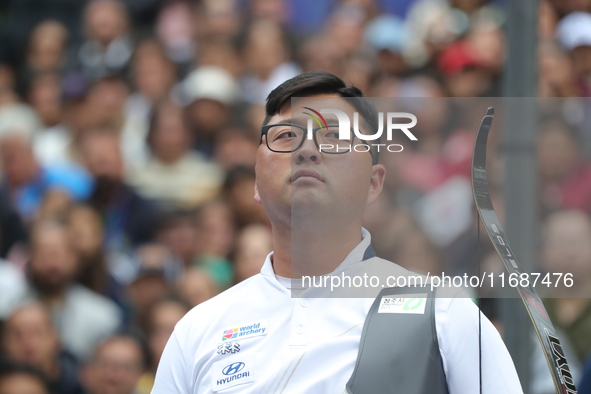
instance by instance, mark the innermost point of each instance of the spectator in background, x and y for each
(44, 95)
(211, 93)
(156, 271)
(344, 28)
(216, 231)
(81, 316)
(22, 16)
(574, 34)
(47, 47)
(235, 147)
(29, 337)
(465, 75)
(277, 11)
(567, 249)
(105, 104)
(565, 178)
(128, 218)
(116, 366)
(178, 231)
(318, 53)
(238, 189)
(434, 25)
(217, 20)
(108, 46)
(387, 35)
(223, 54)
(153, 76)
(547, 19)
(557, 76)
(253, 244)
(174, 176)
(175, 27)
(267, 60)
(59, 143)
(21, 379)
(487, 38)
(417, 252)
(85, 231)
(52, 142)
(433, 159)
(27, 181)
(196, 286)
(161, 321)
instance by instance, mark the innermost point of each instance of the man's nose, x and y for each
(307, 152)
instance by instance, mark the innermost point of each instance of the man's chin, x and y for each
(309, 203)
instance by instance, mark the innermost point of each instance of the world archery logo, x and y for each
(230, 334)
(247, 331)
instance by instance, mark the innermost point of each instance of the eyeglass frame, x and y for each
(265, 129)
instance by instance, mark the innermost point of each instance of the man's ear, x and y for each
(376, 183)
(257, 197)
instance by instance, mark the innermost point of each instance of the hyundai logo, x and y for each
(233, 368)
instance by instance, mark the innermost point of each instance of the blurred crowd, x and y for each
(128, 134)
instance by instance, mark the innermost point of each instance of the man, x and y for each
(256, 337)
(29, 337)
(116, 366)
(81, 316)
(566, 249)
(19, 379)
(128, 218)
(27, 182)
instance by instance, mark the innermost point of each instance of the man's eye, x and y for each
(285, 134)
(332, 132)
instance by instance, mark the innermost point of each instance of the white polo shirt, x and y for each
(256, 338)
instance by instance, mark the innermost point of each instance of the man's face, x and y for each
(21, 383)
(105, 21)
(116, 368)
(567, 248)
(162, 321)
(308, 182)
(53, 263)
(17, 159)
(102, 155)
(30, 338)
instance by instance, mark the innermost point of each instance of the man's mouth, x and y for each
(306, 173)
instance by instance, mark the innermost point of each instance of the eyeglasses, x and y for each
(286, 138)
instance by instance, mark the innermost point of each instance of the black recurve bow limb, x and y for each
(563, 380)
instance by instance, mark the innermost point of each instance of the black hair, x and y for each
(9, 368)
(322, 82)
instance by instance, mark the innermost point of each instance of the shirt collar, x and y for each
(356, 255)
